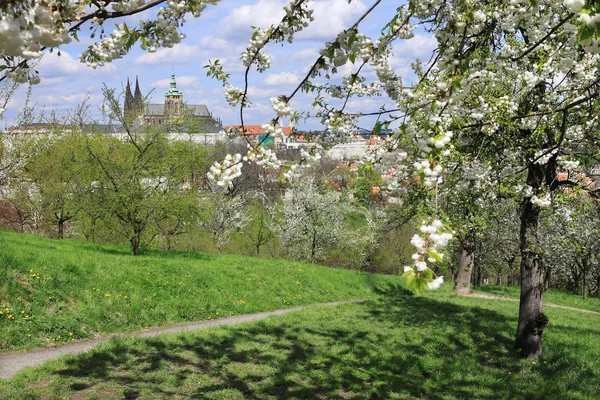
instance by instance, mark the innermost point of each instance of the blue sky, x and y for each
(222, 32)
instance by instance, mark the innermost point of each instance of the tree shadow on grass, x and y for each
(397, 346)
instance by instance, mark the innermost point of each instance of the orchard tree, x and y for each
(221, 216)
(500, 243)
(572, 243)
(311, 221)
(59, 174)
(517, 75)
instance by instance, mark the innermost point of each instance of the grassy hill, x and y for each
(555, 296)
(394, 346)
(54, 292)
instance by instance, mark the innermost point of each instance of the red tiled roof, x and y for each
(257, 129)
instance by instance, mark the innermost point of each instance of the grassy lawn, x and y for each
(54, 292)
(551, 296)
(395, 346)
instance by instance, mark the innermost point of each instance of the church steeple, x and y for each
(129, 102)
(138, 100)
(173, 97)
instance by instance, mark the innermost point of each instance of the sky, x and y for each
(222, 32)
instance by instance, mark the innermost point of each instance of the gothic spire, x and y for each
(128, 106)
(138, 100)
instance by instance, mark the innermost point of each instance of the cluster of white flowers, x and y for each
(347, 42)
(22, 75)
(224, 173)
(436, 283)
(402, 28)
(543, 201)
(128, 6)
(24, 34)
(233, 95)
(307, 157)
(263, 157)
(281, 107)
(474, 175)
(255, 53)
(429, 247)
(296, 18)
(232, 132)
(293, 173)
(354, 86)
(568, 164)
(340, 124)
(543, 156)
(431, 173)
(162, 32)
(272, 131)
(574, 6)
(112, 47)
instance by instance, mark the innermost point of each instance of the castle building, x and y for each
(174, 110)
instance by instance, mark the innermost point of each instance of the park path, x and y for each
(499, 297)
(13, 362)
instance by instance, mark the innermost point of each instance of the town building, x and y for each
(174, 111)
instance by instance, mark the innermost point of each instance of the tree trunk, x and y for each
(585, 289)
(61, 229)
(499, 278)
(465, 267)
(511, 271)
(532, 321)
(135, 243)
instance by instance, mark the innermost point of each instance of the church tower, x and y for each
(128, 107)
(173, 98)
(138, 99)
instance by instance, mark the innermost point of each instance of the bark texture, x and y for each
(531, 319)
(465, 268)
(135, 243)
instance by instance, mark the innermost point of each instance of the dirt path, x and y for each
(499, 297)
(11, 363)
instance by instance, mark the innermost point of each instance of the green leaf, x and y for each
(435, 255)
(407, 273)
(420, 285)
(428, 274)
(410, 281)
(377, 129)
(586, 33)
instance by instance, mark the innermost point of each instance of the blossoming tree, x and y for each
(516, 75)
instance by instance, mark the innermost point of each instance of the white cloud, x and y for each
(237, 25)
(211, 42)
(419, 46)
(306, 54)
(255, 91)
(65, 66)
(283, 78)
(178, 54)
(182, 81)
(332, 17)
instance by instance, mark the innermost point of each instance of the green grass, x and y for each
(395, 346)
(54, 292)
(555, 296)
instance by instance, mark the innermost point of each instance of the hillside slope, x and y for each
(53, 292)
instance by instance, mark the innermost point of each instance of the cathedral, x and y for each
(174, 110)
